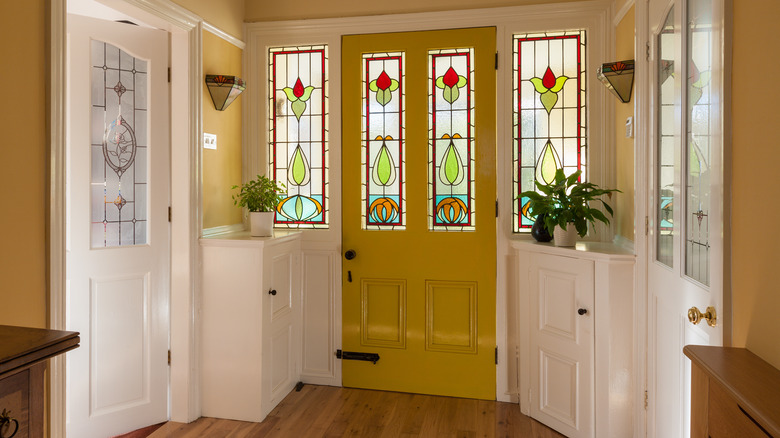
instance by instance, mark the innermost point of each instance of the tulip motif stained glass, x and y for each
(119, 147)
(451, 141)
(383, 143)
(549, 112)
(298, 110)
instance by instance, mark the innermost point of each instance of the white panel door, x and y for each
(117, 227)
(561, 339)
(685, 250)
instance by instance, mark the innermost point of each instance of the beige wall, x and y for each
(624, 147)
(23, 154)
(755, 158)
(259, 10)
(227, 15)
(221, 167)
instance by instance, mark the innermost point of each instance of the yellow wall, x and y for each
(257, 10)
(221, 167)
(23, 154)
(755, 158)
(624, 147)
(227, 15)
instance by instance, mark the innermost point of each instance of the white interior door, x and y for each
(685, 250)
(118, 244)
(561, 339)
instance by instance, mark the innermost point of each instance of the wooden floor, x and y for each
(323, 411)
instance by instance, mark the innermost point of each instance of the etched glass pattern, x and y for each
(451, 148)
(299, 133)
(549, 118)
(119, 148)
(665, 148)
(383, 167)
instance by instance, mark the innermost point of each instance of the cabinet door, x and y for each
(281, 343)
(561, 341)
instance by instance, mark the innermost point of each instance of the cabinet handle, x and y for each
(582, 311)
(5, 424)
(272, 292)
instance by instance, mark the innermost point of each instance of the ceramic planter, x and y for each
(567, 237)
(261, 223)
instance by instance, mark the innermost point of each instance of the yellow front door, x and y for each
(419, 224)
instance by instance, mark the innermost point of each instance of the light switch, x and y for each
(209, 141)
(629, 127)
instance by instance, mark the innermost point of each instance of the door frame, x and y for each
(643, 171)
(596, 16)
(185, 30)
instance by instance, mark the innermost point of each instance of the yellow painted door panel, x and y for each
(423, 300)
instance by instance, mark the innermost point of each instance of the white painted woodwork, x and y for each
(321, 316)
(117, 297)
(579, 368)
(670, 292)
(250, 339)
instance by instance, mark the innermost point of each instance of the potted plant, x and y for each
(565, 202)
(260, 196)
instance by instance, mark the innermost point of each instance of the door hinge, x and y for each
(169, 214)
(496, 207)
(647, 225)
(496, 60)
(169, 74)
(646, 400)
(496, 355)
(529, 396)
(647, 51)
(169, 357)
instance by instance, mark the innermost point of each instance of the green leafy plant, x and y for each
(260, 194)
(566, 201)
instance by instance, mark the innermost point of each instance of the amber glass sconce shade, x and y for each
(224, 89)
(618, 77)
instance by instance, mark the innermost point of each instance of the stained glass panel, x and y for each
(383, 166)
(665, 148)
(119, 147)
(299, 133)
(451, 143)
(549, 118)
(699, 136)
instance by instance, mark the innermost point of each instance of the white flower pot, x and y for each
(567, 237)
(261, 223)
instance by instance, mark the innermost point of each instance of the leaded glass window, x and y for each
(665, 171)
(383, 166)
(299, 133)
(698, 151)
(451, 140)
(119, 147)
(549, 118)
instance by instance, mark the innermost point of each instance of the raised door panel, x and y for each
(561, 339)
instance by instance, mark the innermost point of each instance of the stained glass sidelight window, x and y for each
(119, 147)
(699, 136)
(383, 166)
(299, 133)
(451, 140)
(549, 112)
(665, 148)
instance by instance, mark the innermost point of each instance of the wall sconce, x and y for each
(618, 77)
(224, 89)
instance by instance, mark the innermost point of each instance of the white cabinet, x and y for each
(576, 337)
(250, 329)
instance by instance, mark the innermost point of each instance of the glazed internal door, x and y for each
(118, 236)
(419, 229)
(685, 250)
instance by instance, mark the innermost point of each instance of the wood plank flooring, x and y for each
(323, 411)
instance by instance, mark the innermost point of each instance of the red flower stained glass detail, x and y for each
(383, 82)
(451, 78)
(548, 80)
(298, 88)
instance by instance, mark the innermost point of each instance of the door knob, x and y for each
(272, 292)
(695, 316)
(582, 311)
(350, 254)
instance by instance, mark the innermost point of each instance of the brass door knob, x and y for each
(695, 316)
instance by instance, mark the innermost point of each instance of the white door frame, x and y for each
(185, 30)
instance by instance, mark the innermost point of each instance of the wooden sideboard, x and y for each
(734, 393)
(23, 354)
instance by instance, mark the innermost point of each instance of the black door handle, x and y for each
(582, 311)
(350, 254)
(272, 292)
